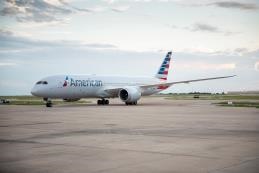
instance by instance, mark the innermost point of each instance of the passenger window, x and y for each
(38, 83)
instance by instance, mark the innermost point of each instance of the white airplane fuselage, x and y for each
(90, 86)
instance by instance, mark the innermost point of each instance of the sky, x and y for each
(208, 38)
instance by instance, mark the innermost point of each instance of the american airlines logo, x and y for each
(65, 82)
(82, 83)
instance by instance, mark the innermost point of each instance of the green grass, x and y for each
(212, 97)
(239, 100)
(239, 104)
(21, 97)
(32, 100)
(37, 102)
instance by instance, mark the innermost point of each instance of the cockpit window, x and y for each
(42, 82)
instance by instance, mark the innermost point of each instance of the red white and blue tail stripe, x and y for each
(164, 68)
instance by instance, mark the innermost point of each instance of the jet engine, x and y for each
(130, 95)
(70, 100)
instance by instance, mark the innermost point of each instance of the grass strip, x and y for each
(239, 104)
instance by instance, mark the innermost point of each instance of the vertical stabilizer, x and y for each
(164, 68)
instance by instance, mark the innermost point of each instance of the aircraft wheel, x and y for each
(131, 103)
(48, 104)
(103, 102)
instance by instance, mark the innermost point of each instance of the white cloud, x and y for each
(120, 9)
(54, 2)
(97, 9)
(226, 66)
(10, 41)
(257, 66)
(7, 64)
(13, 83)
(208, 66)
(109, 1)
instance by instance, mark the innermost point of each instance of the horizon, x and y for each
(172, 93)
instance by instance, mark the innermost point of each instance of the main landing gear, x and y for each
(131, 103)
(103, 102)
(48, 102)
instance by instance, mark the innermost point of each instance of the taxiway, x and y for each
(157, 135)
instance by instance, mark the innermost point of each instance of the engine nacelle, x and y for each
(70, 100)
(130, 94)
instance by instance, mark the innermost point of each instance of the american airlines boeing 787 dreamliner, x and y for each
(128, 89)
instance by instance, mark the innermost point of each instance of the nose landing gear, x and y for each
(48, 102)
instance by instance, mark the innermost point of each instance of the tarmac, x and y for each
(158, 135)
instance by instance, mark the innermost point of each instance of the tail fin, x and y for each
(163, 70)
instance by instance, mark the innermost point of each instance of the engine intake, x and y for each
(129, 94)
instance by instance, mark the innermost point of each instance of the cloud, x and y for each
(48, 11)
(38, 10)
(109, 1)
(257, 66)
(33, 10)
(226, 66)
(236, 52)
(204, 27)
(75, 8)
(13, 84)
(99, 46)
(241, 50)
(120, 9)
(208, 66)
(10, 41)
(7, 64)
(229, 4)
(235, 5)
(5, 32)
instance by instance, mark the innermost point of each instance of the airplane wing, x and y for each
(186, 82)
(113, 91)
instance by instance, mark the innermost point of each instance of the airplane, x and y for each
(128, 89)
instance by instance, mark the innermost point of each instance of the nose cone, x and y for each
(34, 91)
